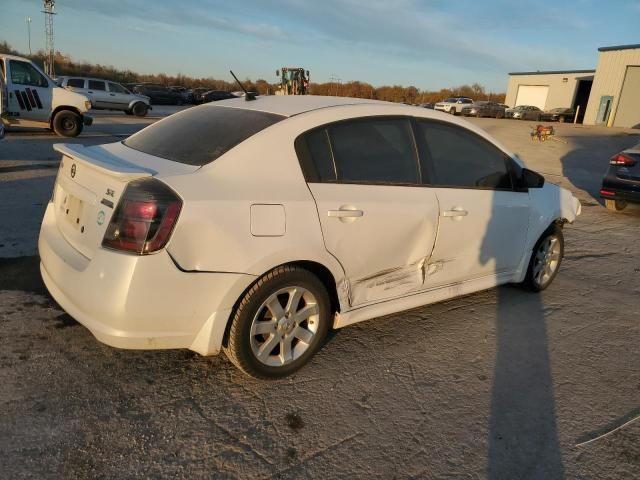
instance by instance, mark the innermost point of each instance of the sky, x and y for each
(430, 44)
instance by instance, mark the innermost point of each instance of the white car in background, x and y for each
(453, 105)
(106, 95)
(254, 227)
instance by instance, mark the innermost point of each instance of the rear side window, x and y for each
(96, 85)
(454, 156)
(75, 82)
(199, 135)
(374, 151)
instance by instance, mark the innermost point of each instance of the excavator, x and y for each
(293, 81)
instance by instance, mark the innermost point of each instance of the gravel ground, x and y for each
(502, 384)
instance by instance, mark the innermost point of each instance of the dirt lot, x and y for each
(502, 384)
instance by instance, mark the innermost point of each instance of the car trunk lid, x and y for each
(90, 183)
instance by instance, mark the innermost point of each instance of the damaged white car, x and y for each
(254, 227)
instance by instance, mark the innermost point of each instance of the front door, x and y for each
(483, 221)
(604, 110)
(29, 91)
(376, 219)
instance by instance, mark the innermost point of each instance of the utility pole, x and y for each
(28, 20)
(49, 62)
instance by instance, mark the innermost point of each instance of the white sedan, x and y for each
(254, 227)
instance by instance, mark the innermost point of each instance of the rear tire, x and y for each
(279, 324)
(546, 258)
(67, 123)
(139, 109)
(615, 205)
(452, 111)
(561, 119)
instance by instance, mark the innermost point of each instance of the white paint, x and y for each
(535, 95)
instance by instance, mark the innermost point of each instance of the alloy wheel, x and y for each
(547, 260)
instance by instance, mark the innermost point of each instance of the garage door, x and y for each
(628, 114)
(535, 95)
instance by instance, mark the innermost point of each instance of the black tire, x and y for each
(561, 119)
(139, 109)
(615, 205)
(530, 282)
(128, 112)
(500, 115)
(67, 123)
(539, 118)
(179, 102)
(452, 111)
(239, 348)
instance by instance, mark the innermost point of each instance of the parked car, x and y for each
(558, 115)
(453, 105)
(29, 98)
(160, 95)
(216, 95)
(428, 105)
(484, 109)
(621, 182)
(197, 94)
(187, 94)
(106, 95)
(247, 226)
(524, 112)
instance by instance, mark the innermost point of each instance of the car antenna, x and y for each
(247, 96)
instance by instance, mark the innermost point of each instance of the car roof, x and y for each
(290, 105)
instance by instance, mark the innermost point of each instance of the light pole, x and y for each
(28, 20)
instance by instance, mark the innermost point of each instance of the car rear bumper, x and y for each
(138, 302)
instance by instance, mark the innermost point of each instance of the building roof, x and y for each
(619, 47)
(552, 72)
(290, 105)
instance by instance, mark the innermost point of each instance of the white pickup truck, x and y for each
(29, 98)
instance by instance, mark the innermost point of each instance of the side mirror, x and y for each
(307, 73)
(531, 179)
(277, 73)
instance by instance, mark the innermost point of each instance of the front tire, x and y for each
(67, 123)
(139, 109)
(280, 323)
(615, 205)
(545, 259)
(452, 111)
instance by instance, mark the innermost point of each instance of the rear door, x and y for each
(483, 219)
(376, 218)
(97, 90)
(29, 91)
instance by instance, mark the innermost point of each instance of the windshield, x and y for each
(451, 100)
(199, 135)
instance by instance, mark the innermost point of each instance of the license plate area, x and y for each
(72, 210)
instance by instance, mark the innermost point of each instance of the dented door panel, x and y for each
(383, 250)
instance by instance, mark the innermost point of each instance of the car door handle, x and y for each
(345, 213)
(455, 212)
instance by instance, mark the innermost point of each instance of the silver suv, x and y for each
(106, 95)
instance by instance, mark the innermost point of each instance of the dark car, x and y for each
(484, 109)
(428, 105)
(215, 95)
(197, 94)
(559, 115)
(524, 112)
(160, 95)
(621, 183)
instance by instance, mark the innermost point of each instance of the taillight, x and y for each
(622, 159)
(144, 218)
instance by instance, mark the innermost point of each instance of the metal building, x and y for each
(547, 90)
(615, 96)
(608, 95)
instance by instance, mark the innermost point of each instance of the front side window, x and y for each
(374, 151)
(75, 82)
(97, 85)
(117, 88)
(199, 135)
(452, 156)
(23, 73)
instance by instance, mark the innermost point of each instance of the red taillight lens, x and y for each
(144, 218)
(622, 159)
(607, 193)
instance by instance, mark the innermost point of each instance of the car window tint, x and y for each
(116, 88)
(199, 135)
(374, 151)
(96, 85)
(75, 82)
(455, 156)
(23, 73)
(314, 153)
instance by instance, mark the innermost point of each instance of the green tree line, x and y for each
(65, 65)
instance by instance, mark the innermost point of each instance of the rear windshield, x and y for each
(199, 135)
